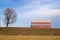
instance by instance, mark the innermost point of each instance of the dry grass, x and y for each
(21, 37)
(29, 34)
(29, 31)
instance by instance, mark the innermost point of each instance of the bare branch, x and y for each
(10, 16)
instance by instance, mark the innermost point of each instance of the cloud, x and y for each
(46, 10)
(38, 8)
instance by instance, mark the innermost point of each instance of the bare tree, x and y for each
(10, 16)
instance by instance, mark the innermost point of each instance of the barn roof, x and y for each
(40, 20)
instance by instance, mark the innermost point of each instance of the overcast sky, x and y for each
(28, 9)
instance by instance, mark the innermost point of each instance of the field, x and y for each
(29, 31)
(29, 34)
(21, 37)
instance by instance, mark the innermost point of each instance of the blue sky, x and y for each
(28, 9)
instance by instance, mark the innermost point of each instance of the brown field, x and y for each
(21, 37)
(29, 34)
(29, 31)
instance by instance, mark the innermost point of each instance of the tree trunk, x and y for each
(6, 25)
(7, 22)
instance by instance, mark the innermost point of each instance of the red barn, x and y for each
(41, 23)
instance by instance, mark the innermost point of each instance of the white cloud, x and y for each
(45, 10)
(28, 11)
